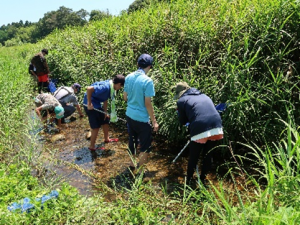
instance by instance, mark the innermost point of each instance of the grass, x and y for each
(235, 51)
(270, 198)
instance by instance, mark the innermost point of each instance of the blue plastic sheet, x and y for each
(221, 107)
(26, 206)
(51, 87)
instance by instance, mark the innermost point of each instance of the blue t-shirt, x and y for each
(101, 93)
(138, 86)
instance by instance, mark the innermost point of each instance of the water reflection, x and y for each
(79, 165)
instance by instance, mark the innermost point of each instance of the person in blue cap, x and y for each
(96, 97)
(68, 99)
(138, 91)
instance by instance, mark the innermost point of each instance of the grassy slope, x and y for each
(234, 51)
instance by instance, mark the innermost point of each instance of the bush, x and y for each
(235, 52)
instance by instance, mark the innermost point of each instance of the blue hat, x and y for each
(77, 86)
(145, 60)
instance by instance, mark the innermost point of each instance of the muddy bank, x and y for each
(68, 157)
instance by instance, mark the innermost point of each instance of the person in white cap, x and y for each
(68, 99)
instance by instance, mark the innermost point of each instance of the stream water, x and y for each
(70, 159)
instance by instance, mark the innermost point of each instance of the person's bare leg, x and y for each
(94, 137)
(143, 159)
(105, 128)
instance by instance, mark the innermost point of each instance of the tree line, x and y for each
(18, 33)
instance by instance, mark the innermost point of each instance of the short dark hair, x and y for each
(119, 79)
(45, 50)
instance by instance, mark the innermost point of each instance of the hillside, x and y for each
(238, 52)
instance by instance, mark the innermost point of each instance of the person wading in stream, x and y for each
(96, 94)
(47, 105)
(205, 126)
(138, 91)
(42, 69)
(67, 98)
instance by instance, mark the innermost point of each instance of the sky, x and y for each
(33, 10)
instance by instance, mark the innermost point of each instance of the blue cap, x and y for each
(77, 86)
(145, 60)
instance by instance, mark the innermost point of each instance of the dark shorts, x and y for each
(96, 119)
(142, 131)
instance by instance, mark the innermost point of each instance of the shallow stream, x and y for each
(69, 159)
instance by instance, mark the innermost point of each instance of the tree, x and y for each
(3, 36)
(83, 14)
(60, 19)
(138, 5)
(99, 15)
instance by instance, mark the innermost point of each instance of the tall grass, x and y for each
(235, 51)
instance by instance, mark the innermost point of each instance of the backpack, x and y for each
(51, 87)
(57, 91)
(31, 67)
(38, 61)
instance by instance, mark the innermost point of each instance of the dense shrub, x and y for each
(235, 51)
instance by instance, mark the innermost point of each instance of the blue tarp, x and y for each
(25, 205)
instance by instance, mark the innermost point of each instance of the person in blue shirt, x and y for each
(138, 91)
(96, 97)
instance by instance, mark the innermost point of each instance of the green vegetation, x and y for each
(18, 33)
(236, 52)
(242, 52)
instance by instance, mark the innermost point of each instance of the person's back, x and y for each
(63, 92)
(40, 63)
(42, 69)
(199, 110)
(138, 90)
(101, 93)
(138, 86)
(68, 99)
(47, 101)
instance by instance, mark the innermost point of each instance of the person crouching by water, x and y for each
(96, 94)
(48, 106)
(205, 126)
(67, 98)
